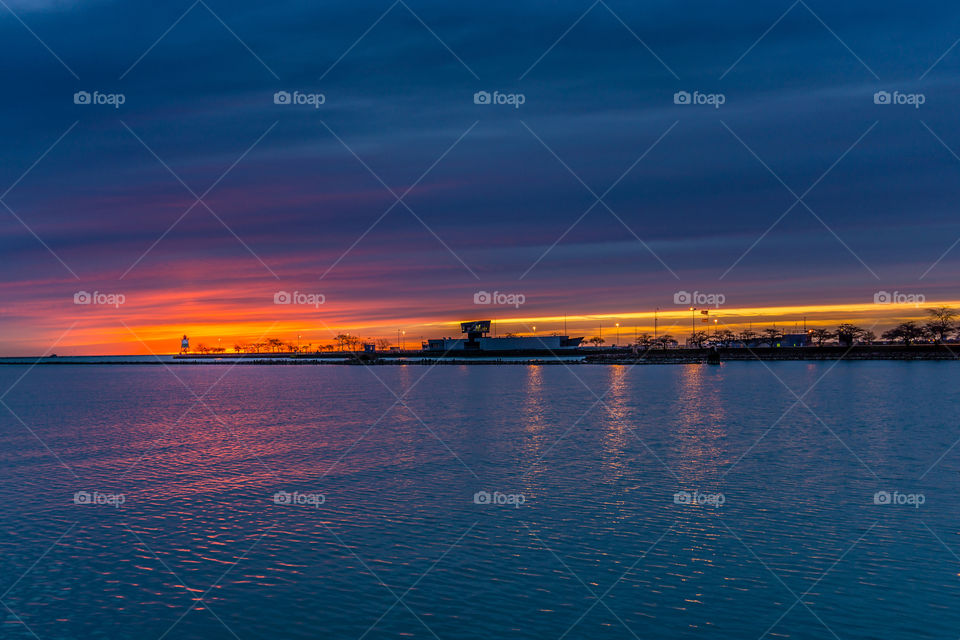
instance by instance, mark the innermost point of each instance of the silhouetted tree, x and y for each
(941, 324)
(906, 332)
(665, 341)
(747, 336)
(848, 333)
(820, 335)
(596, 341)
(724, 337)
(771, 335)
(644, 340)
(698, 339)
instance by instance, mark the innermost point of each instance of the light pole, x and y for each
(403, 340)
(693, 325)
(655, 322)
(618, 335)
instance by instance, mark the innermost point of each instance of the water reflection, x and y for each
(399, 499)
(702, 422)
(620, 430)
(534, 405)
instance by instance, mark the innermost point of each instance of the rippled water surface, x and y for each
(399, 547)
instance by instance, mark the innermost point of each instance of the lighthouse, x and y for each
(184, 344)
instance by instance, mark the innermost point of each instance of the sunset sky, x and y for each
(799, 196)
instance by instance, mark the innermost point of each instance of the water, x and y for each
(598, 549)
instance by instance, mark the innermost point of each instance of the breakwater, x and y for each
(857, 352)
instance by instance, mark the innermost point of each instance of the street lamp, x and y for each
(618, 334)
(693, 325)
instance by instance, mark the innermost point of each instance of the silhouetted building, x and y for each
(478, 341)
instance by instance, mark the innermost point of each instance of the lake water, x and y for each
(306, 502)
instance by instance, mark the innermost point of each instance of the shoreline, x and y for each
(924, 352)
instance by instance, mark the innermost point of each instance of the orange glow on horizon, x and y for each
(144, 330)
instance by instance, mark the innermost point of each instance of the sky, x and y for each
(794, 159)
